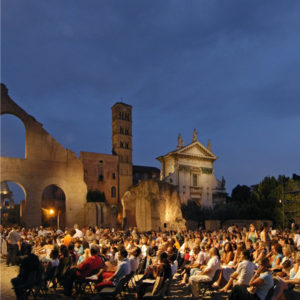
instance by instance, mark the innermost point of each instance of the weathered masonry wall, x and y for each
(46, 162)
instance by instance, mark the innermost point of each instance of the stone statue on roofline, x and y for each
(180, 141)
(209, 145)
(195, 135)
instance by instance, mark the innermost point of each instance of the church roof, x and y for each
(195, 149)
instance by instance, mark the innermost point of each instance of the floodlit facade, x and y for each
(191, 169)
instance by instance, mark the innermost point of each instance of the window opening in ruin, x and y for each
(54, 198)
(12, 203)
(113, 175)
(121, 130)
(121, 145)
(12, 136)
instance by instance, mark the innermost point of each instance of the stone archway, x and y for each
(11, 212)
(46, 162)
(54, 201)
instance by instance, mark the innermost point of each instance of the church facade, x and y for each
(191, 169)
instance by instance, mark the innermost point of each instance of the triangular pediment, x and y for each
(196, 149)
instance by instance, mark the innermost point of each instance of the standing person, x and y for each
(265, 236)
(13, 246)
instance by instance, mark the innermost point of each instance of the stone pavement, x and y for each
(176, 292)
(6, 274)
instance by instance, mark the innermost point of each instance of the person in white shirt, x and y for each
(207, 272)
(134, 259)
(78, 233)
(297, 239)
(243, 273)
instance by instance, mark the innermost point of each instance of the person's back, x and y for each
(90, 265)
(263, 289)
(30, 273)
(245, 270)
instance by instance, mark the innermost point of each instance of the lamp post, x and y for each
(52, 212)
(282, 202)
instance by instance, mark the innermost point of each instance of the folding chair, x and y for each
(160, 294)
(206, 286)
(112, 291)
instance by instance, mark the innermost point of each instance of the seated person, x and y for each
(162, 269)
(89, 266)
(113, 278)
(207, 272)
(260, 284)
(243, 273)
(30, 271)
(52, 264)
(194, 267)
(289, 289)
(135, 259)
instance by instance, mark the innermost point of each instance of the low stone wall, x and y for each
(242, 222)
(212, 225)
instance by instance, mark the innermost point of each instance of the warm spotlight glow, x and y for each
(51, 211)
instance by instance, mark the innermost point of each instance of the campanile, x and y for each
(122, 143)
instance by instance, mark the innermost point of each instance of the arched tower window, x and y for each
(113, 192)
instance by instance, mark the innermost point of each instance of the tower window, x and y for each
(113, 175)
(126, 131)
(126, 145)
(100, 174)
(120, 115)
(121, 145)
(113, 192)
(121, 130)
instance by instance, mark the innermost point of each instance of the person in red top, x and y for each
(87, 268)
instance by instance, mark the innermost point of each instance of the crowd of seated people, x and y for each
(250, 263)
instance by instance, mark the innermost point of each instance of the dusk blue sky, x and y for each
(230, 69)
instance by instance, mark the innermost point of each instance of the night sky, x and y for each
(230, 69)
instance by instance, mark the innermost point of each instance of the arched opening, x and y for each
(12, 203)
(53, 207)
(13, 136)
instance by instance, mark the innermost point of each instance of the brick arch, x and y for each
(59, 205)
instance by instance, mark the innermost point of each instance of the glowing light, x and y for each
(51, 211)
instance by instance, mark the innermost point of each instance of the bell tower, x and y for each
(122, 143)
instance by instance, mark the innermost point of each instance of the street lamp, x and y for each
(282, 202)
(52, 212)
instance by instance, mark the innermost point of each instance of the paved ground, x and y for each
(7, 273)
(178, 292)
